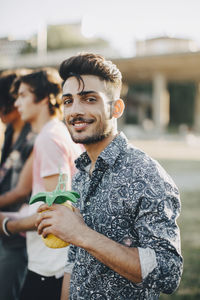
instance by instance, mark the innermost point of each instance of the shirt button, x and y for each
(42, 278)
(88, 203)
(78, 288)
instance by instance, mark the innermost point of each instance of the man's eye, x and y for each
(67, 101)
(90, 99)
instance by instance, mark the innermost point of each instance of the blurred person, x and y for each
(125, 243)
(15, 168)
(2, 130)
(39, 102)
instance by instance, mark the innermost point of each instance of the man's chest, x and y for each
(109, 202)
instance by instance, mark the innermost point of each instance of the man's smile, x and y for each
(80, 123)
(80, 126)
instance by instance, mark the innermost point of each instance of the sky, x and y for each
(122, 22)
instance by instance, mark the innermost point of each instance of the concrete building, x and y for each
(160, 61)
(163, 45)
(172, 62)
(11, 47)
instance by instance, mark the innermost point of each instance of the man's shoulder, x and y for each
(146, 168)
(53, 130)
(133, 157)
(128, 151)
(133, 154)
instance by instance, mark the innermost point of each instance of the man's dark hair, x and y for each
(6, 98)
(43, 83)
(90, 64)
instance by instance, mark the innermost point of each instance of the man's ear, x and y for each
(118, 108)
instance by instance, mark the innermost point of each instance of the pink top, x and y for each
(54, 151)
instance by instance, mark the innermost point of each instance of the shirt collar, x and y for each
(108, 155)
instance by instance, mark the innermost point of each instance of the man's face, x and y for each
(87, 111)
(25, 104)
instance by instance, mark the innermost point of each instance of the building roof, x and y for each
(175, 67)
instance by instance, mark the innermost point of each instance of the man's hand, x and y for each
(61, 221)
(69, 226)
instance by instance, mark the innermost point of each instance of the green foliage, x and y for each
(182, 97)
(29, 48)
(145, 87)
(69, 36)
(64, 36)
(138, 95)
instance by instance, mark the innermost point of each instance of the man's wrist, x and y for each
(87, 237)
(4, 226)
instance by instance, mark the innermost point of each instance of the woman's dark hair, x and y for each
(90, 64)
(6, 98)
(43, 83)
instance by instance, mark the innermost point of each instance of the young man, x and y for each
(39, 102)
(125, 242)
(16, 160)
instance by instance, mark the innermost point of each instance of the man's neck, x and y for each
(41, 120)
(94, 150)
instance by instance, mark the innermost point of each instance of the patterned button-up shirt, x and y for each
(129, 197)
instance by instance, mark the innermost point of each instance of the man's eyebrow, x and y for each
(82, 93)
(66, 95)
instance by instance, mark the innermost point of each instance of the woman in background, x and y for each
(15, 187)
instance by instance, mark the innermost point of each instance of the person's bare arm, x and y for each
(23, 187)
(28, 223)
(70, 227)
(65, 287)
(19, 225)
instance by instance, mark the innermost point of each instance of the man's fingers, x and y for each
(45, 232)
(43, 225)
(44, 214)
(43, 207)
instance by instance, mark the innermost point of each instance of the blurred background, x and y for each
(156, 45)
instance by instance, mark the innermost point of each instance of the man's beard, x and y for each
(99, 134)
(93, 139)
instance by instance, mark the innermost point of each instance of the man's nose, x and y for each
(16, 104)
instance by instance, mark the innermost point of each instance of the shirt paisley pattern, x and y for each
(129, 197)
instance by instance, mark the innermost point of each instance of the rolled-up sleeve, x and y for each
(157, 229)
